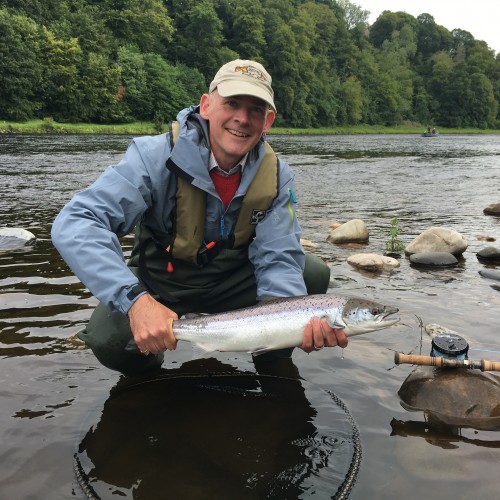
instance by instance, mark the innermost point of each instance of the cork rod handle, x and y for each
(415, 359)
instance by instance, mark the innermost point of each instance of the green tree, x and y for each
(156, 89)
(352, 95)
(99, 86)
(284, 70)
(198, 41)
(144, 23)
(354, 15)
(87, 24)
(248, 30)
(483, 107)
(60, 84)
(394, 62)
(134, 79)
(43, 12)
(20, 67)
(429, 36)
(315, 30)
(387, 23)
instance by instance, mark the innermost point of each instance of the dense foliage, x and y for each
(112, 61)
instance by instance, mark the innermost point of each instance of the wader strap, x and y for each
(188, 221)
(260, 196)
(173, 129)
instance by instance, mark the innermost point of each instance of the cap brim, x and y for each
(229, 89)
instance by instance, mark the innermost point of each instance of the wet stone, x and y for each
(490, 254)
(492, 274)
(435, 259)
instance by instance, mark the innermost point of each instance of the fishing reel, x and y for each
(449, 345)
(448, 350)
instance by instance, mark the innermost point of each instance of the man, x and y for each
(214, 211)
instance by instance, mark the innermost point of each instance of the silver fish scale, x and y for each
(278, 323)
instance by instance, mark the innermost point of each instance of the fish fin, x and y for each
(194, 315)
(337, 323)
(198, 351)
(260, 351)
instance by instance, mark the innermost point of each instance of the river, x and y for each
(184, 435)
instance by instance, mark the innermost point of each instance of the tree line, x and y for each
(117, 61)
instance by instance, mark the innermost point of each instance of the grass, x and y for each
(49, 126)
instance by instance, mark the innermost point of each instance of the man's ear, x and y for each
(204, 105)
(270, 117)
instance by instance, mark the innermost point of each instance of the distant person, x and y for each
(433, 130)
(216, 229)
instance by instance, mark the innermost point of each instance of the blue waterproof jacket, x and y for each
(141, 189)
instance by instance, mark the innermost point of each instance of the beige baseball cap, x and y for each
(241, 77)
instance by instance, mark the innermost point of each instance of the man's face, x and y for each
(236, 124)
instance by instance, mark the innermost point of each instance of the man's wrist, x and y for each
(134, 293)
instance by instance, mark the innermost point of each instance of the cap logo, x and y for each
(250, 71)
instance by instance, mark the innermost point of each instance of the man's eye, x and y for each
(260, 110)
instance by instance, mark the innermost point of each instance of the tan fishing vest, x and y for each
(187, 241)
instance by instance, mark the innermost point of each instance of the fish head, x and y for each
(362, 316)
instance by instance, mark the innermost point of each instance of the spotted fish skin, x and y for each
(279, 323)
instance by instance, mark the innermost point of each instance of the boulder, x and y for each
(353, 231)
(434, 259)
(491, 274)
(438, 239)
(12, 238)
(372, 262)
(489, 254)
(308, 243)
(493, 209)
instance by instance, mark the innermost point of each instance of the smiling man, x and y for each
(215, 227)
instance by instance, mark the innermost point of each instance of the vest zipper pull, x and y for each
(222, 227)
(170, 266)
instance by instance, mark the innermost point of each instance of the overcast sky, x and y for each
(481, 18)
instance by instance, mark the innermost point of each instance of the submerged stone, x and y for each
(436, 259)
(493, 209)
(453, 396)
(492, 274)
(491, 254)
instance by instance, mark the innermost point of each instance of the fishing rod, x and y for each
(441, 362)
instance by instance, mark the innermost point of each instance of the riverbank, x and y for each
(49, 126)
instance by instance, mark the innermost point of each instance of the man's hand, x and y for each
(151, 324)
(318, 333)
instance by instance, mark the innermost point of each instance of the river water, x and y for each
(58, 403)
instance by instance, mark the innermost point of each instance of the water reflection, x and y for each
(435, 433)
(208, 430)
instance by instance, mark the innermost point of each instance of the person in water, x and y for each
(215, 227)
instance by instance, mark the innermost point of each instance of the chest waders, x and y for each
(183, 260)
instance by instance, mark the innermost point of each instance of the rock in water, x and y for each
(354, 230)
(435, 259)
(372, 262)
(12, 238)
(438, 239)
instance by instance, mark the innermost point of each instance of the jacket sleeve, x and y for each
(276, 252)
(87, 230)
